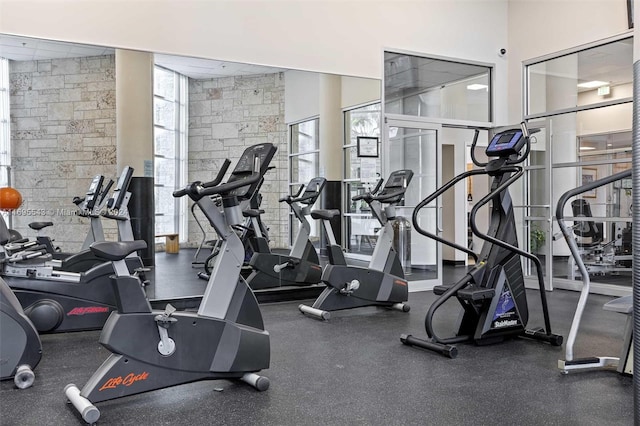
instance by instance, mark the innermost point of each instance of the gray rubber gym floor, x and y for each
(353, 370)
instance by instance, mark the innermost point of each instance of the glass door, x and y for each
(422, 95)
(415, 145)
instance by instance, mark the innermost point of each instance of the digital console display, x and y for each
(505, 144)
(505, 138)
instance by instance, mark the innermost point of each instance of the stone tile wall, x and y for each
(226, 115)
(63, 132)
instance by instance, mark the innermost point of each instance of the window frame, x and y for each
(293, 186)
(180, 130)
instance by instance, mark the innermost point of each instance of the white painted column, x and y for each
(331, 134)
(134, 110)
(134, 140)
(331, 127)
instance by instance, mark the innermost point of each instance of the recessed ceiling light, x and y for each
(592, 84)
(587, 148)
(477, 86)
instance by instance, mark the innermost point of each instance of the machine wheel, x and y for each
(46, 315)
(24, 377)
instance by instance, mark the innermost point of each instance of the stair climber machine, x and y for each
(382, 283)
(88, 206)
(301, 267)
(492, 293)
(624, 363)
(61, 301)
(253, 232)
(224, 339)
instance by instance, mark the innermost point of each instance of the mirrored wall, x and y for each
(60, 122)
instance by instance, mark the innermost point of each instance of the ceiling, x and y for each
(31, 49)
(205, 68)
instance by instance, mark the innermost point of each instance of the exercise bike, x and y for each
(116, 209)
(91, 206)
(253, 233)
(88, 206)
(382, 283)
(61, 301)
(302, 266)
(153, 350)
(623, 363)
(20, 347)
(492, 294)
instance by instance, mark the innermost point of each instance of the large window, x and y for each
(441, 89)
(304, 165)
(170, 151)
(304, 152)
(593, 75)
(360, 176)
(581, 99)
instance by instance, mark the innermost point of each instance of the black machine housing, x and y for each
(301, 267)
(492, 293)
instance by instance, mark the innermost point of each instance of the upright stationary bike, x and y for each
(153, 350)
(302, 266)
(492, 294)
(116, 209)
(382, 283)
(88, 206)
(253, 233)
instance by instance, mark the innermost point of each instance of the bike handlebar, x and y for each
(193, 187)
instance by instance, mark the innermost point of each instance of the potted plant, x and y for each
(537, 239)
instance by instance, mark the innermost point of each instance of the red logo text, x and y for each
(128, 380)
(88, 310)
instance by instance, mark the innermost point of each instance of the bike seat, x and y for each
(116, 250)
(36, 226)
(324, 214)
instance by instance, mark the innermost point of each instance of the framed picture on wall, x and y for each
(367, 146)
(589, 175)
